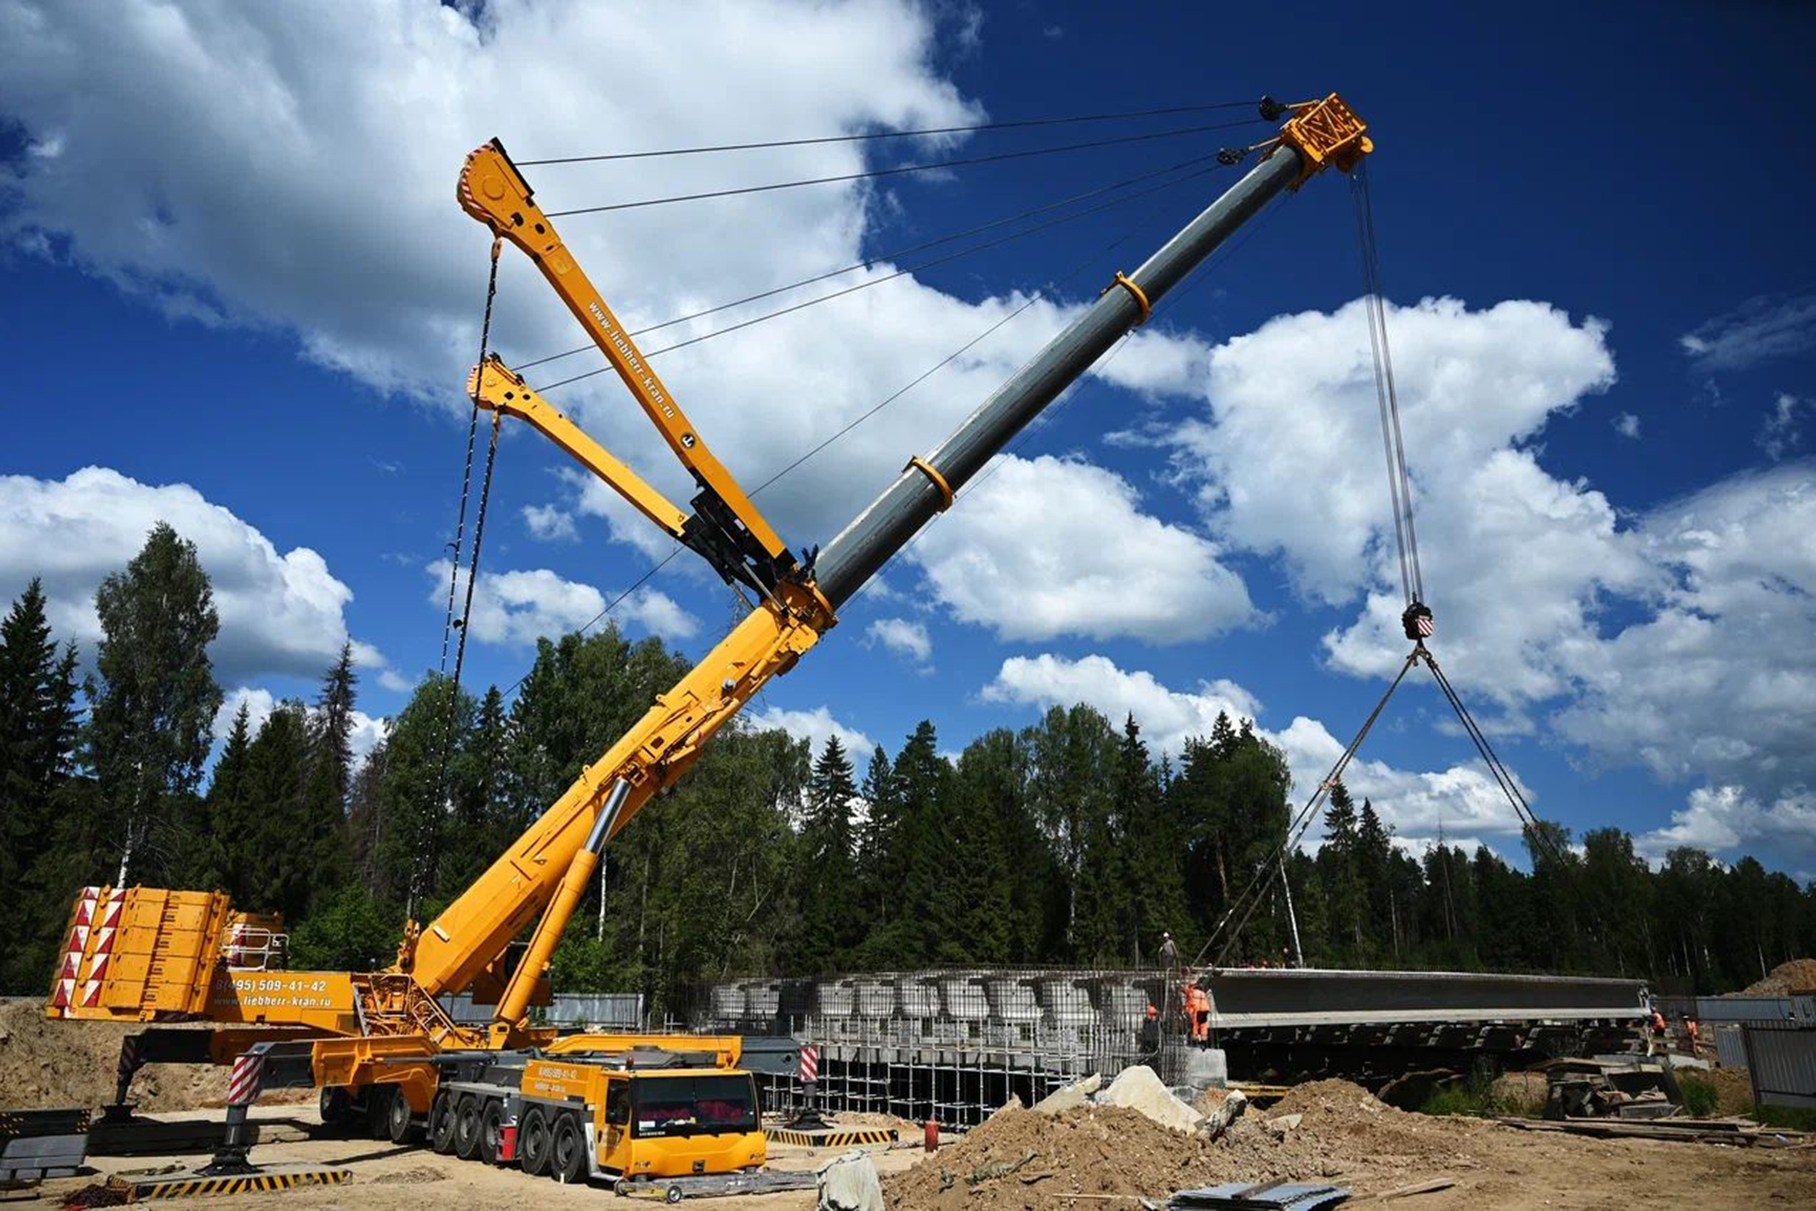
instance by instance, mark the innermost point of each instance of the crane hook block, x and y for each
(1417, 621)
(1326, 133)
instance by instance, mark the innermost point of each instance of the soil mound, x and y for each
(1023, 1158)
(1799, 975)
(53, 1064)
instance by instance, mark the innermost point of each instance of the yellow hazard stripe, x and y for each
(830, 1139)
(201, 1187)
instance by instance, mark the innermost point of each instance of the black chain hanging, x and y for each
(420, 872)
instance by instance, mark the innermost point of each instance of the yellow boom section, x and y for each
(506, 899)
(494, 192)
(496, 388)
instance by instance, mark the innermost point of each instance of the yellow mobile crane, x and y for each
(381, 1039)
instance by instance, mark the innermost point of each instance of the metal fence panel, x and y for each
(1783, 1064)
(610, 1010)
(605, 1009)
(1783, 1012)
(1730, 1047)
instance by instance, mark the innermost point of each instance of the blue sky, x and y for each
(239, 289)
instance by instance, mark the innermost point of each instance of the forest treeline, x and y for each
(1066, 842)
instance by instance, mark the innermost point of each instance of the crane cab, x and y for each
(607, 1116)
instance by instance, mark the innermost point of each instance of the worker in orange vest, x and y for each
(1198, 1014)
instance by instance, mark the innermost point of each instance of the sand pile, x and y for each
(1342, 1127)
(1799, 975)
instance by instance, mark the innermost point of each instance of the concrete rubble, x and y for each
(1140, 1090)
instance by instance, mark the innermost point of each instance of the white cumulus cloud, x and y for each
(902, 636)
(517, 608)
(281, 613)
(814, 726)
(1057, 546)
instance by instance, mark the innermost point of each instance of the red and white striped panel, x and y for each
(248, 1077)
(810, 1062)
(106, 928)
(69, 971)
(1426, 627)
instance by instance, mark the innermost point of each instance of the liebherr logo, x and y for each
(632, 361)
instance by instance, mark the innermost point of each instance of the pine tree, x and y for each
(38, 726)
(220, 841)
(1374, 863)
(920, 779)
(279, 868)
(879, 852)
(1339, 869)
(826, 889)
(153, 694)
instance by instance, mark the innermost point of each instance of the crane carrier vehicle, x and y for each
(622, 1106)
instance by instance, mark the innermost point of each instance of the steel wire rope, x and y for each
(896, 395)
(1219, 256)
(1498, 768)
(889, 134)
(878, 259)
(1263, 880)
(890, 277)
(419, 858)
(1387, 396)
(902, 169)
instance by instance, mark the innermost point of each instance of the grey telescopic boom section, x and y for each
(906, 505)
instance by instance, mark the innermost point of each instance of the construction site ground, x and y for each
(1111, 1157)
(1094, 1156)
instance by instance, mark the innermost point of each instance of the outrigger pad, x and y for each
(194, 1185)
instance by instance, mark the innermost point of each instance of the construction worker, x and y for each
(1169, 953)
(1198, 1015)
(1690, 1029)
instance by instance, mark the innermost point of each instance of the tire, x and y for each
(400, 1121)
(672, 1194)
(336, 1108)
(378, 1109)
(441, 1124)
(534, 1142)
(491, 1130)
(567, 1158)
(466, 1128)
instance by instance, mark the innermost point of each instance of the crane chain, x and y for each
(422, 856)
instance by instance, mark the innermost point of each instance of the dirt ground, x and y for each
(1093, 1157)
(1343, 1136)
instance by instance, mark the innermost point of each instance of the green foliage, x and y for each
(1788, 1118)
(350, 932)
(1066, 842)
(1460, 1099)
(38, 735)
(1700, 1098)
(153, 696)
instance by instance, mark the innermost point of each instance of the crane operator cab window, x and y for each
(670, 1106)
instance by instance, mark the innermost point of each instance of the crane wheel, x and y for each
(672, 1194)
(466, 1128)
(441, 1124)
(491, 1130)
(378, 1110)
(567, 1159)
(400, 1123)
(533, 1142)
(335, 1107)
